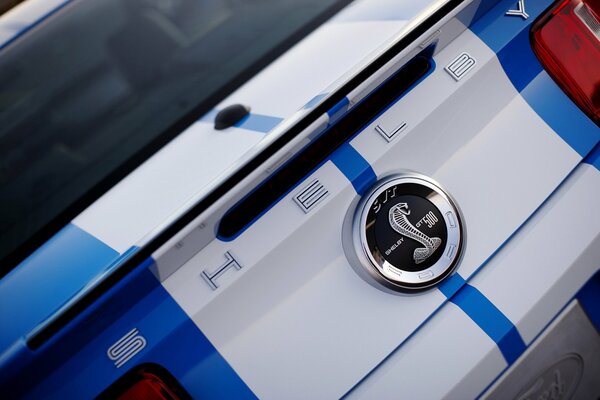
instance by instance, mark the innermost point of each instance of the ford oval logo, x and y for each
(557, 382)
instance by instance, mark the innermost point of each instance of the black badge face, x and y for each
(407, 233)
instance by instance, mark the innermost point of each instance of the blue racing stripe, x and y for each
(496, 29)
(259, 123)
(486, 315)
(519, 61)
(589, 298)
(481, 311)
(252, 122)
(563, 116)
(354, 167)
(594, 157)
(508, 36)
(451, 285)
(74, 363)
(491, 320)
(338, 110)
(482, 9)
(48, 278)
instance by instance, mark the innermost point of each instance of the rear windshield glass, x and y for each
(92, 91)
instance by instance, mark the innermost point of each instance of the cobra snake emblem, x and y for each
(399, 222)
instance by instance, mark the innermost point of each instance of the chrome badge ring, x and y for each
(407, 233)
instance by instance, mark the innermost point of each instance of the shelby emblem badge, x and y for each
(406, 234)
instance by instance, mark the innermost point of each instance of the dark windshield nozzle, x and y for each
(229, 116)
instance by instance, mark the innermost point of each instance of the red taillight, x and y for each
(566, 40)
(148, 387)
(145, 382)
